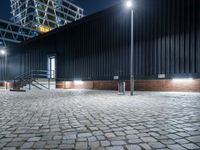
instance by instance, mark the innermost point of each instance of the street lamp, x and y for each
(4, 53)
(129, 4)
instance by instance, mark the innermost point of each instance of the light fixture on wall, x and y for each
(183, 79)
(78, 81)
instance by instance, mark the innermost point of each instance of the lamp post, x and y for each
(4, 53)
(129, 4)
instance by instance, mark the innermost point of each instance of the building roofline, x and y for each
(73, 24)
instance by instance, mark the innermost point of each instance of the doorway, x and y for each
(52, 67)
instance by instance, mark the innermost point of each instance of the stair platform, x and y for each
(17, 90)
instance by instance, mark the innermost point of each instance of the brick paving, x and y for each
(76, 119)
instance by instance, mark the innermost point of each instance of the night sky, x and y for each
(90, 6)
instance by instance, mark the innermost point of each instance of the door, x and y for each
(52, 67)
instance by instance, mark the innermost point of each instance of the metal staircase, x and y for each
(31, 79)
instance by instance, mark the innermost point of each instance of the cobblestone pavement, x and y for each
(74, 119)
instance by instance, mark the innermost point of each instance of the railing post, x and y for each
(14, 84)
(49, 83)
(30, 80)
(29, 85)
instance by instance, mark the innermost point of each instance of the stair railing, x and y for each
(27, 78)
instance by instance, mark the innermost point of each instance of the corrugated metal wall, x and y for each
(166, 41)
(2, 68)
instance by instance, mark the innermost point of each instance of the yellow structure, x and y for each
(44, 29)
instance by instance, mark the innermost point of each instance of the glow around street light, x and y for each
(183, 79)
(3, 52)
(129, 3)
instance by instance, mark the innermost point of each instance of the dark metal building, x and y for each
(97, 47)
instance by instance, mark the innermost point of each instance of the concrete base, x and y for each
(140, 85)
(3, 85)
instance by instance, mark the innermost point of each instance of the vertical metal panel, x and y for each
(197, 36)
(166, 38)
(2, 68)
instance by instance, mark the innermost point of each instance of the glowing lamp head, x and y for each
(3, 52)
(129, 3)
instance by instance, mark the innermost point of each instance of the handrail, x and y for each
(32, 73)
(29, 76)
(40, 84)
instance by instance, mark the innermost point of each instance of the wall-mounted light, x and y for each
(183, 79)
(78, 81)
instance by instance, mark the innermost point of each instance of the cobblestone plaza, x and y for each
(86, 119)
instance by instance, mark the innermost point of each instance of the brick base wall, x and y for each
(140, 85)
(168, 85)
(105, 85)
(9, 85)
(83, 85)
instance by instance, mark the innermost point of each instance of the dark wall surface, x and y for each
(166, 41)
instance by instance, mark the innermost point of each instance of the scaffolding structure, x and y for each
(11, 33)
(44, 15)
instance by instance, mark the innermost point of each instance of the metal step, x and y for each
(17, 90)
